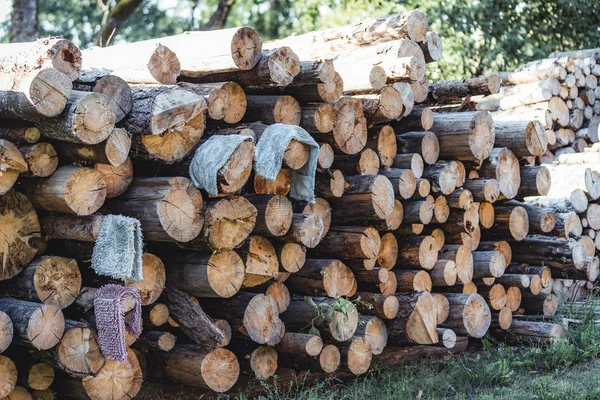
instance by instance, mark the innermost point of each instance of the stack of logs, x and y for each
(433, 220)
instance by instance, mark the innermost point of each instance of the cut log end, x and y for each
(246, 47)
(229, 221)
(359, 355)
(45, 327)
(329, 359)
(261, 320)
(263, 361)
(476, 316)
(117, 179)
(164, 65)
(49, 91)
(8, 376)
(40, 376)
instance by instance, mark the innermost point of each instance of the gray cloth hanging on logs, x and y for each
(269, 154)
(118, 248)
(210, 157)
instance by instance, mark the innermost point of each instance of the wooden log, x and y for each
(202, 275)
(114, 151)
(442, 307)
(384, 306)
(72, 190)
(6, 331)
(522, 281)
(443, 176)
(330, 184)
(495, 296)
(361, 78)
(417, 251)
(533, 331)
(488, 264)
(40, 326)
(383, 106)
(153, 284)
(255, 315)
(535, 181)
(356, 356)
(327, 92)
(349, 243)
(542, 304)
(169, 209)
(373, 195)
(321, 208)
(469, 314)
(444, 273)
(155, 315)
(425, 144)
(274, 214)
(57, 53)
(163, 341)
(117, 179)
(35, 376)
(523, 138)
(503, 166)
(317, 118)
(306, 230)
(327, 361)
(34, 95)
(463, 259)
(19, 132)
(416, 320)
(412, 281)
(483, 190)
(341, 327)
(513, 220)
(260, 259)
(364, 163)
(8, 378)
(50, 280)
(111, 86)
(225, 100)
(541, 220)
(349, 126)
(21, 233)
(455, 90)
(41, 159)
(414, 162)
(12, 163)
(403, 181)
(192, 319)
(322, 277)
(314, 45)
(326, 156)
(300, 343)
(465, 135)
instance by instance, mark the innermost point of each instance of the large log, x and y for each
(524, 138)
(165, 122)
(349, 243)
(349, 126)
(117, 179)
(206, 275)
(34, 95)
(8, 377)
(255, 315)
(57, 53)
(225, 100)
(169, 209)
(153, 284)
(503, 166)
(21, 231)
(416, 321)
(455, 90)
(72, 190)
(50, 280)
(38, 325)
(319, 44)
(469, 314)
(560, 254)
(464, 135)
(164, 60)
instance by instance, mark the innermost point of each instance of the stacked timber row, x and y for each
(422, 233)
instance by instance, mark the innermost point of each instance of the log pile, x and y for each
(440, 210)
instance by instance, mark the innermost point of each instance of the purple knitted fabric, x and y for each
(110, 320)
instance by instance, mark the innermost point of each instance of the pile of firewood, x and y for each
(444, 210)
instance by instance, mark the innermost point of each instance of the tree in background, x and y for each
(479, 36)
(24, 26)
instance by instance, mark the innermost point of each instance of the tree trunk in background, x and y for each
(24, 21)
(219, 17)
(117, 16)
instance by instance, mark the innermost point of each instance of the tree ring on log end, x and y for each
(46, 327)
(476, 316)
(246, 48)
(482, 135)
(180, 210)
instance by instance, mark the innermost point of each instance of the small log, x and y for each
(542, 304)
(155, 315)
(225, 100)
(40, 326)
(19, 133)
(6, 331)
(162, 341)
(50, 280)
(326, 156)
(442, 307)
(300, 343)
(495, 296)
(412, 281)
(417, 251)
(523, 138)
(522, 281)
(192, 319)
(41, 159)
(349, 243)
(317, 118)
(451, 91)
(443, 176)
(153, 284)
(35, 376)
(384, 306)
(503, 166)
(272, 109)
(330, 184)
(72, 190)
(300, 315)
(370, 197)
(274, 214)
(322, 277)
(513, 298)
(364, 163)
(403, 181)
(483, 190)
(8, 377)
(349, 127)
(488, 264)
(260, 259)
(423, 143)
(465, 135)
(117, 179)
(535, 181)
(306, 230)
(327, 361)
(114, 151)
(463, 258)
